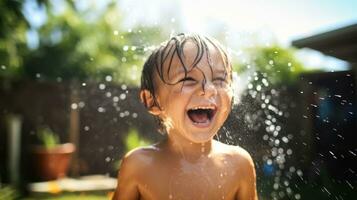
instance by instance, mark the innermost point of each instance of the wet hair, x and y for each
(166, 52)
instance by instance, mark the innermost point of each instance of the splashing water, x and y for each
(269, 117)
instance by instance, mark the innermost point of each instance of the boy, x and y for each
(186, 84)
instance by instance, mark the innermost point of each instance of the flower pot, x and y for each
(53, 163)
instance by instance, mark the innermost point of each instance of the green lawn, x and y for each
(69, 197)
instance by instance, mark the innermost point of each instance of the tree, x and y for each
(279, 65)
(74, 43)
(13, 26)
(89, 44)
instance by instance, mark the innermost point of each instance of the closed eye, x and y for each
(220, 79)
(186, 79)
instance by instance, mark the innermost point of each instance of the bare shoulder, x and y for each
(242, 164)
(236, 154)
(139, 158)
(132, 168)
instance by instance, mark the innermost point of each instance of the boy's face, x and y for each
(195, 106)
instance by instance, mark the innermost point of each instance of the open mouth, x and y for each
(201, 115)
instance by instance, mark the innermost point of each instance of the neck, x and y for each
(187, 149)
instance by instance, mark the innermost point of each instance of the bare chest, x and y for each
(190, 181)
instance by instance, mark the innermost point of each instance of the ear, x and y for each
(148, 100)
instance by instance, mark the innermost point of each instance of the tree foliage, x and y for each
(13, 26)
(90, 43)
(277, 63)
(86, 44)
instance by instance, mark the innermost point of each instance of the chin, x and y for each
(200, 137)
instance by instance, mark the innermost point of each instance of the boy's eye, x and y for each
(219, 79)
(187, 79)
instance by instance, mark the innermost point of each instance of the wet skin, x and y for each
(189, 164)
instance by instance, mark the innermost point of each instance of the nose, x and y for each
(208, 89)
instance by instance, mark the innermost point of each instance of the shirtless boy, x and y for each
(186, 84)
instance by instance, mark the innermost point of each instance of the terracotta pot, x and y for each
(50, 164)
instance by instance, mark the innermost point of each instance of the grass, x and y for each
(69, 196)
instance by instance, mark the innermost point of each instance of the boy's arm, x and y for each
(247, 187)
(127, 188)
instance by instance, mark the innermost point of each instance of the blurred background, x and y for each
(69, 78)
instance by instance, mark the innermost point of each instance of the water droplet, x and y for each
(124, 87)
(101, 86)
(116, 32)
(86, 128)
(108, 78)
(126, 48)
(81, 104)
(122, 96)
(115, 99)
(277, 142)
(259, 87)
(265, 137)
(101, 109)
(84, 84)
(3, 67)
(299, 172)
(286, 183)
(107, 159)
(135, 115)
(126, 113)
(276, 186)
(285, 139)
(265, 82)
(269, 162)
(271, 128)
(74, 106)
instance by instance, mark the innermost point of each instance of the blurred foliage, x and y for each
(133, 140)
(277, 63)
(87, 44)
(13, 26)
(8, 193)
(82, 43)
(47, 137)
(69, 196)
(86, 40)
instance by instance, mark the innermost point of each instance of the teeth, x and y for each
(203, 107)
